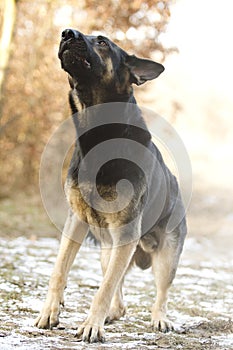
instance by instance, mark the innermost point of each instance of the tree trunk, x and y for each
(7, 16)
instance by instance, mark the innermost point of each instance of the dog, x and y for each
(136, 231)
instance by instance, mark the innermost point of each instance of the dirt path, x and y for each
(200, 304)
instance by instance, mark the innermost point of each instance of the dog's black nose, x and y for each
(68, 34)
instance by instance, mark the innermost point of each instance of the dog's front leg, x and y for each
(72, 236)
(117, 308)
(92, 330)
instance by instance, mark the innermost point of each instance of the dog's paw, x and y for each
(161, 323)
(115, 313)
(49, 316)
(91, 333)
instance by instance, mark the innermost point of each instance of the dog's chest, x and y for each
(91, 207)
(79, 199)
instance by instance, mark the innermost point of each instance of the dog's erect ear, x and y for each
(142, 69)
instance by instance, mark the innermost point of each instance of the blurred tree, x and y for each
(35, 87)
(7, 21)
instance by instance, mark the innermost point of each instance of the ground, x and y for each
(200, 302)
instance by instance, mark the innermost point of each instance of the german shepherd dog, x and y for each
(101, 75)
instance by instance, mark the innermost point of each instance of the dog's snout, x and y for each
(72, 40)
(68, 34)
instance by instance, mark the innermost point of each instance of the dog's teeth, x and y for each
(87, 63)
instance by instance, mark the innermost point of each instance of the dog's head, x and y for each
(97, 61)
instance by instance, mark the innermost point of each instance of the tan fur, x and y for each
(72, 237)
(118, 263)
(164, 264)
(76, 100)
(117, 308)
(76, 197)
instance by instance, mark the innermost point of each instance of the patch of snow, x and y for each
(224, 340)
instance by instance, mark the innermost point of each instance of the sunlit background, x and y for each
(199, 79)
(195, 94)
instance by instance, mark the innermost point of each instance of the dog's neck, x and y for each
(80, 99)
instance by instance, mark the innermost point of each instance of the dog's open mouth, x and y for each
(75, 55)
(85, 62)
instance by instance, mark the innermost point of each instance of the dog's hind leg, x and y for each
(164, 264)
(117, 308)
(72, 236)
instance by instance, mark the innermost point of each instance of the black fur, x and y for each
(84, 58)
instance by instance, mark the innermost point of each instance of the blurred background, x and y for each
(191, 38)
